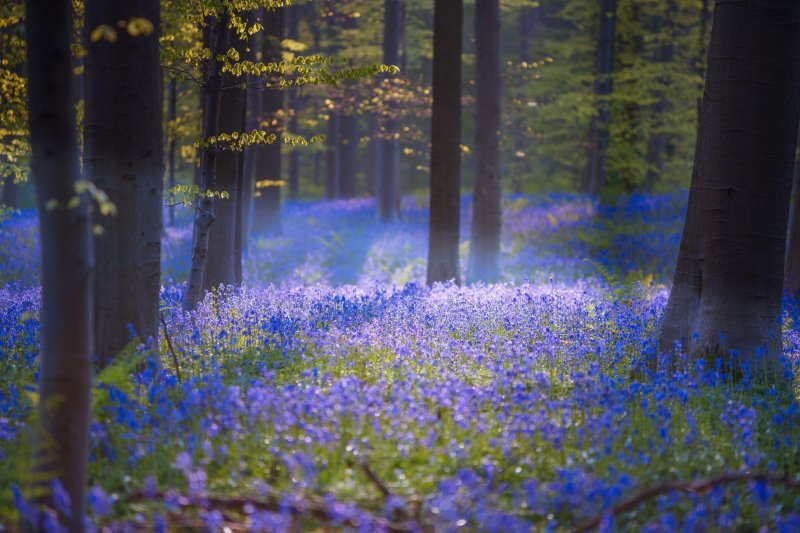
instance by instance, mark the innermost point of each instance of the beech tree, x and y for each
(61, 437)
(791, 281)
(219, 36)
(389, 180)
(726, 294)
(445, 183)
(595, 173)
(267, 195)
(124, 158)
(224, 259)
(486, 224)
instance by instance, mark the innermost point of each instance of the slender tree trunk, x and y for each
(657, 142)
(595, 173)
(348, 162)
(293, 32)
(239, 240)
(62, 423)
(333, 178)
(223, 245)
(374, 162)
(204, 216)
(173, 100)
(791, 280)
(726, 294)
(253, 113)
(445, 199)
(10, 193)
(124, 157)
(389, 181)
(527, 27)
(267, 195)
(485, 236)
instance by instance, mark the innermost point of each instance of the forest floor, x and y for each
(336, 389)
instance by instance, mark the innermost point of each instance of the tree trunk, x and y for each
(374, 162)
(293, 32)
(62, 430)
(10, 193)
(173, 100)
(124, 157)
(333, 178)
(389, 181)
(223, 245)
(267, 195)
(791, 279)
(726, 293)
(253, 113)
(485, 235)
(220, 39)
(527, 27)
(657, 142)
(348, 159)
(445, 201)
(595, 173)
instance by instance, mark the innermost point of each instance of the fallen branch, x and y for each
(700, 485)
(171, 350)
(275, 503)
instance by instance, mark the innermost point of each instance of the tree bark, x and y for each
(595, 172)
(172, 114)
(486, 224)
(333, 181)
(124, 157)
(62, 430)
(348, 159)
(791, 278)
(267, 195)
(219, 38)
(293, 32)
(443, 236)
(657, 142)
(223, 241)
(726, 293)
(389, 181)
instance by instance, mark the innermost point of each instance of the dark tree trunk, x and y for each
(220, 38)
(293, 32)
(791, 281)
(705, 17)
(485, 234)
(267, 195)
(595, 172)
(333, 181)
(223, 245)
(249, 177)
(726, 294)
(389, 180)
(348, 159)
(173, 100)
(61, 447)
(657, 142)
(239, 239)
(527, 27)
(10, 193)
(374, 162)
(403, 52)
(445, 201)
(124, 158)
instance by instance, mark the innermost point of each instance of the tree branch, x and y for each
(700, 485)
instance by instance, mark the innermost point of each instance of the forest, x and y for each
(399, 265)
